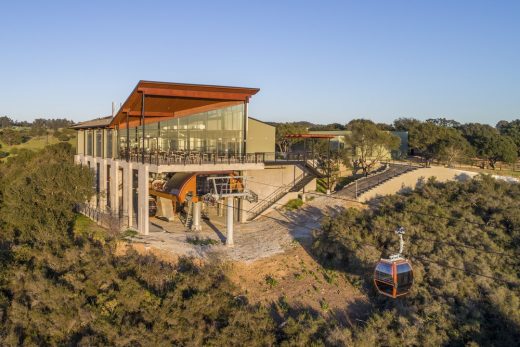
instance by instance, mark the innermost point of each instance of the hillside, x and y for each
(463, 240)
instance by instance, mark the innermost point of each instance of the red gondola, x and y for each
(393, 277)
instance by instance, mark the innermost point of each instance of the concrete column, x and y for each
(93, 167)
(229, 222)
(127, 192)
(114, 185)
(197, 208)
(102, 184)
(143, 224)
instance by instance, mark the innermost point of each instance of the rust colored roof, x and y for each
(95, 123)
(170, 100)
(309, 136)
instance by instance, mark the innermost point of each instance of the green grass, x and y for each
(35, 143)
(271, 281)
(321, 185)
(84, 226)
(294, 204)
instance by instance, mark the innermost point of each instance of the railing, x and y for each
(267, 202)
(196, 158)
(113, 220)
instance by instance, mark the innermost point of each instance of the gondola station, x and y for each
(158, 157)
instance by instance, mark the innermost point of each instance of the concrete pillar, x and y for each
(127, 192)
(114, 185)
(93, 167)
(143, 223)
(102, 184)
(229, 222)
(197, 208)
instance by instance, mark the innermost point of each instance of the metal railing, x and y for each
(267, 202)
(195, 158)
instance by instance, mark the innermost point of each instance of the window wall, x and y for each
(90, 141)
(218, 131)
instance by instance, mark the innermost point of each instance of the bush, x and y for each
(294, 204)
(201, 241)
(4, 154)
(452, 307)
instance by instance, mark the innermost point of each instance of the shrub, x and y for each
(294, 204)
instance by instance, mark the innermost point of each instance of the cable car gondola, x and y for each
(393, 277)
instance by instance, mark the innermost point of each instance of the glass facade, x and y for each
(99, 142)
(218, 132)
(89, 142)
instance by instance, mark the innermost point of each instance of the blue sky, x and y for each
(320, 61)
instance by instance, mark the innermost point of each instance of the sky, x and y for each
(318, 61)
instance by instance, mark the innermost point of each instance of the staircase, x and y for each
(189, 215)
(364, 184)
(300, 182)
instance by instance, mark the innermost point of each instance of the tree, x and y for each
(11, 137)
(282, 130)
(489, 144)
(369, 144)
(406, 124)
(510, 129)
(443, 122)
(424, 138)
(6, 122)
(451, 146)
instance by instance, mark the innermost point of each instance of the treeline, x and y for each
(14, 132)
(39, 123)
(440, 139)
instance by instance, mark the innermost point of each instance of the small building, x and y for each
(158, 155)
(339, 141)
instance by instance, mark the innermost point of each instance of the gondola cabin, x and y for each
(393, 277)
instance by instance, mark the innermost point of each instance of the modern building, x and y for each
(162, 153)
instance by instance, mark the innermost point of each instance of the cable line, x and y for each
(451, 243)
(377, 247)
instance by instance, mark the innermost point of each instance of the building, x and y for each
(339, 141)
(160, 156)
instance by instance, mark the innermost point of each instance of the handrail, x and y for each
(259, 208)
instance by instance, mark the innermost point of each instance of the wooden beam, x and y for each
(194, 94)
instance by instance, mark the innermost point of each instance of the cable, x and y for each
(375, 205)
(451, 243)
(416, 257)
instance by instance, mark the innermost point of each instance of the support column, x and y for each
(197, 207)
(127, 192)
(114, 186)
(143, 224)
(229, 222)
(102, 184)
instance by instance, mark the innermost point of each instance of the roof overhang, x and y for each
(171, 100)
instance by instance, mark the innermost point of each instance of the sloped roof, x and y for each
(94, 123)
(163, 100)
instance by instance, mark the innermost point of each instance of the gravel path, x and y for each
(269, 235)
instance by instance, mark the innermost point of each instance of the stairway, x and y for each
(189, 215)
(364, 184)
(300, 182)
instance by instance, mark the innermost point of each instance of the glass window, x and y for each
(99, 142)
(217, 131)
(384, 272)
